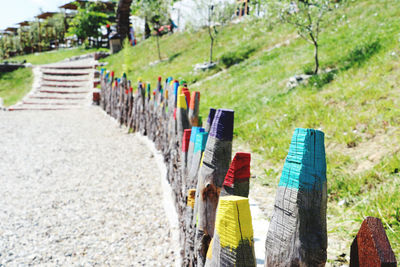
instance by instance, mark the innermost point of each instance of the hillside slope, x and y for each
(356, 104)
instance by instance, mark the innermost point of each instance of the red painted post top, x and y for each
(186, 92)
(239, 171)
(186, 140)
(371, 246)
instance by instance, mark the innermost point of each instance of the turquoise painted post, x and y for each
(297, 233)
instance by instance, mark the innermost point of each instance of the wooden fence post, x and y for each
(297, 233)
(210, 120)
(195, 131)
(191, 181)
(182, 116)
(371, 246)
(237, 178)
(216, 159)
(233, 243)
(184, 157)
(194, 109)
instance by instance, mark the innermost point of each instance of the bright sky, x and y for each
(14, 11)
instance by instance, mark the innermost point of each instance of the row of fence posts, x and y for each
(211, 190)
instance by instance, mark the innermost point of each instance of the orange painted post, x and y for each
(194, 109)
(371, 246)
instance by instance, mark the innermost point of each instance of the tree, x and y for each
(307, 16)
(214, 13)
(123, 12)
(155, 11)
(58, 27)
(88, 20)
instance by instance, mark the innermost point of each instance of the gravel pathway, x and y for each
(77, 190)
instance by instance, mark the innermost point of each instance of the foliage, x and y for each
(307, 16)
(57, 27)
(37, 35)
(155, 12)
(88, 20)
(213, 14)
(151, 8)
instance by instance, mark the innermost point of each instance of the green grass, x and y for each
(52, 56)
(14, 85)
(356, 105)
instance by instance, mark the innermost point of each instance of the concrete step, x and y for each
(60, 91)
(44, 108)
(68, 67)
(54, 78)
(64, 84)
(57, 72)
(51, 103)
(61, 97)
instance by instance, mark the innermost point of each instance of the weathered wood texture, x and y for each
(216, 160)
(237, 179)
(371, 246)
(194, 108)
(210, 119)
(232, 244)
(297, 233)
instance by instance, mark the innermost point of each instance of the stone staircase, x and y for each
(60, 86)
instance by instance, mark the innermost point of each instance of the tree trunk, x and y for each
(211, 44)
(158, 46)
(123, 12)
(316, 57)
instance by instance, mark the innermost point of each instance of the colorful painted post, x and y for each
(182, 116)
(371, 246)
(191, 198)
(237, 179)
(195, 131)
(233, 243)
(186, 92)
(297, 233)
(210, 120)
(216, 160)
(200, 145)
(185, 149)
(194, 109)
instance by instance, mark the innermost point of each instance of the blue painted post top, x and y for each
(195, 131)
(305, 164)
(201, 141)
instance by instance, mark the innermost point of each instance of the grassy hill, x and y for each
(356, 104)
